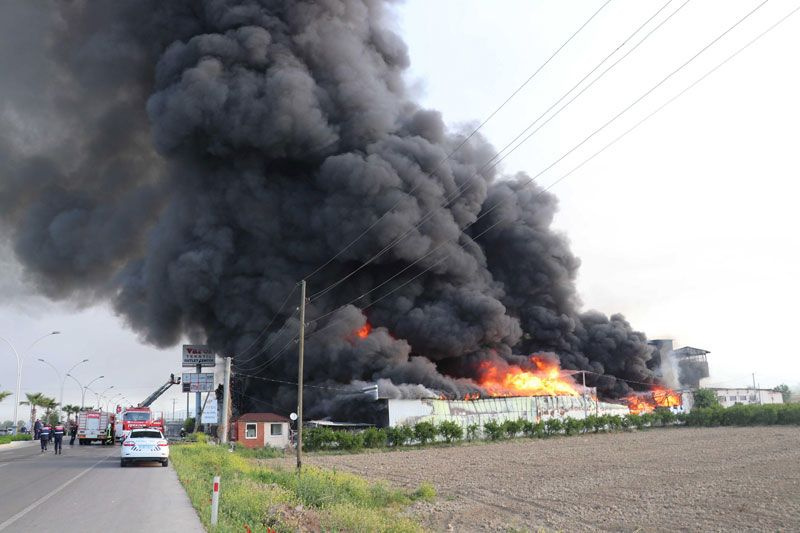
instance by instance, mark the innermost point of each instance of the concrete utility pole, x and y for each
(300, 375)
(226, 401)
(197, 398)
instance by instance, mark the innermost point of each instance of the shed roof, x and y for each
(262, 417)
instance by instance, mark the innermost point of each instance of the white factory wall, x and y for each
(729, 397)
(466, 412)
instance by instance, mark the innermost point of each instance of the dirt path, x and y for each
(718, 479)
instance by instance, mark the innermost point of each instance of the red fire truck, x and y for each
(141, 416)
(95, 426)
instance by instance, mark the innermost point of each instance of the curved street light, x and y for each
(102, 395)
(83, 389)
(62, 380)
(20, 362)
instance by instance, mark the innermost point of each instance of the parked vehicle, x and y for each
(95, 426)
(144, 445)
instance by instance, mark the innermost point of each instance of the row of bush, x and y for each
(424, 433)
(744, 415)
(5, 439)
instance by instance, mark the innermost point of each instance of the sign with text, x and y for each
(196, 354)
(209, 415)
(198, 382)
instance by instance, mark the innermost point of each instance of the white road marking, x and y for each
(47, 496)
(4, 464)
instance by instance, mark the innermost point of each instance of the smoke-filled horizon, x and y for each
(190, 161)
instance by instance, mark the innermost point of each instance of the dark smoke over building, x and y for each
(190, 161)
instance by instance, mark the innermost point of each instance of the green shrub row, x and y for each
(745, 415)
(425, 432)
(5, 439)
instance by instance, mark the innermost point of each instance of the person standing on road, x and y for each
(44, 436)
(73, 430)
(58, 435)
(37, 427)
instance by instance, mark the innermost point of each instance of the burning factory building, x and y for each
(246, 146)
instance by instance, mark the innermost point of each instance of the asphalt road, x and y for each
(84, 489)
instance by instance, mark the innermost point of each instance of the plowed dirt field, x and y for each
(674, 479)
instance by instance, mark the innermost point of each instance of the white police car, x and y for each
(144, 445)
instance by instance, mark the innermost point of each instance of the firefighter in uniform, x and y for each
(58, 435)
(44, 436)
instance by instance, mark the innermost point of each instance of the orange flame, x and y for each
(647, 402)
(364, 331)
(546, 380)
(473, 396)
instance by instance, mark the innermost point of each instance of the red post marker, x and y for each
(215, 502)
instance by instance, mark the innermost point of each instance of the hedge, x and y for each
(424, 433)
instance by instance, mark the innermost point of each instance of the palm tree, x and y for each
(49, 405)
(70, 410)
(34, 400)
(4, 394)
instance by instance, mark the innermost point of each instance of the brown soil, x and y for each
(680, 479)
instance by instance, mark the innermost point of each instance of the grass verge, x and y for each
(5, 439)
(256, 497)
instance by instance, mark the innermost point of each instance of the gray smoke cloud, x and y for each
(191, 160)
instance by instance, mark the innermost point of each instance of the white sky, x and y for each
(687, 226)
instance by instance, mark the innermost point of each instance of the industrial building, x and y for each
(748, 396)
(480, 411)
(686, 365)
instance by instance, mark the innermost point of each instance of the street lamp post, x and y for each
(102, 395)
(83, 389)
(20, 361)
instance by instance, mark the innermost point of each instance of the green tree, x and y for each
(450, 431)
(782, 388)
(493, 430)
(472, 432)
(573, 426)
(4, 394)
(424, 432)
(513, 427)
(71, 410)
(49, 405)
(34, 399)
(705, 398)
(374, 438)
(553, 426)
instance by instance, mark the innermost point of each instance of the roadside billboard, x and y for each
(209, 415)
(198, 382)
(197, 354)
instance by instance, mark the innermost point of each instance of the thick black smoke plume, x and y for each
(191, 160)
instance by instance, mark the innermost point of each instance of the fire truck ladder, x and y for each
(161, 390)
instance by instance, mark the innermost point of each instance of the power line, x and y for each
(592, 156)
(258, 337)
(496, 159)
(462, 143)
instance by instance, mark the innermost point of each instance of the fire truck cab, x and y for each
(141, 416)
(137, 418)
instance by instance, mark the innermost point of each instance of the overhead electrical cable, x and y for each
(496, 159)
(530, 180)
(647, 117)
(265, 329)
(461, 144)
